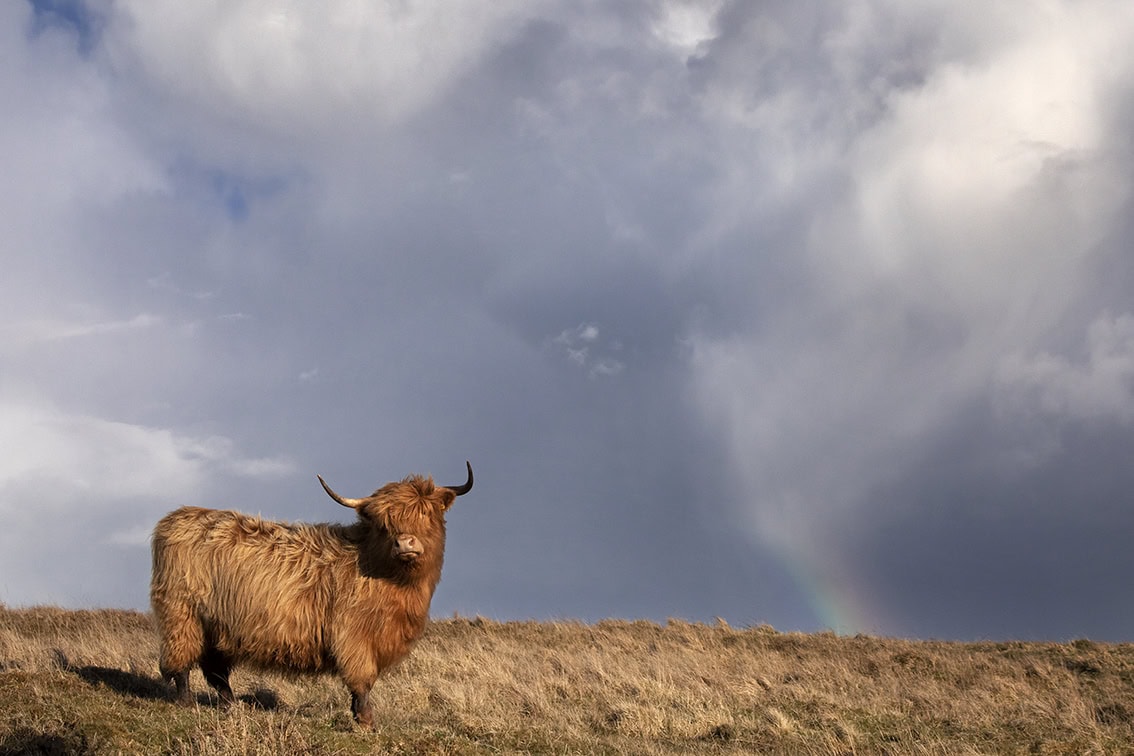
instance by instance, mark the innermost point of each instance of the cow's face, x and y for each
(407, 518)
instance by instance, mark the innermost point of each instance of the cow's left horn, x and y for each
(352, 503)
(463, 489)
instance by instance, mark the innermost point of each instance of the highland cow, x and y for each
(228, 588)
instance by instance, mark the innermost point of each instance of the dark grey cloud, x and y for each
(804, 314)
(992, 546)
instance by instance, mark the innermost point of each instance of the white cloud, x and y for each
(1015, 145)
(606, 367)
(44, 331)
(952, 217)
(586, 332)
(583, 347)
(88, 457)
(221, 454)
(687, 24)
(66, 457)
(289, 66)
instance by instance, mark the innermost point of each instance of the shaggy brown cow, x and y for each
(352, 599)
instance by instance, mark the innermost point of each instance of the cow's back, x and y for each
(262, 590)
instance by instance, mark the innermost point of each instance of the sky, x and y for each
(812, 314)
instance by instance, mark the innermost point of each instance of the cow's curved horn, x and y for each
(352, 503)
(463, 489)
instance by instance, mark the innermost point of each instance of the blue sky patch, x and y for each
(72, 15)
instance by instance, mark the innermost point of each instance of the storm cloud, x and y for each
(813, 314)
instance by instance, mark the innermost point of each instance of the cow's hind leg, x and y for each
(182, 641)
(181, 681)
(216, 667)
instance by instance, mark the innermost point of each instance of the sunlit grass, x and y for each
(86, 682)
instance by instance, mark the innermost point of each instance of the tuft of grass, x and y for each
(87, 682)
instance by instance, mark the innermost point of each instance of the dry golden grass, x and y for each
(86, 682)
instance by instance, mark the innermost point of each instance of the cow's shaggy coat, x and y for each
(229, 588)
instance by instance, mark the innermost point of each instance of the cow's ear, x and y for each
(447, 496)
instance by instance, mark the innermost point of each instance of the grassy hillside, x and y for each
(86, 682)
